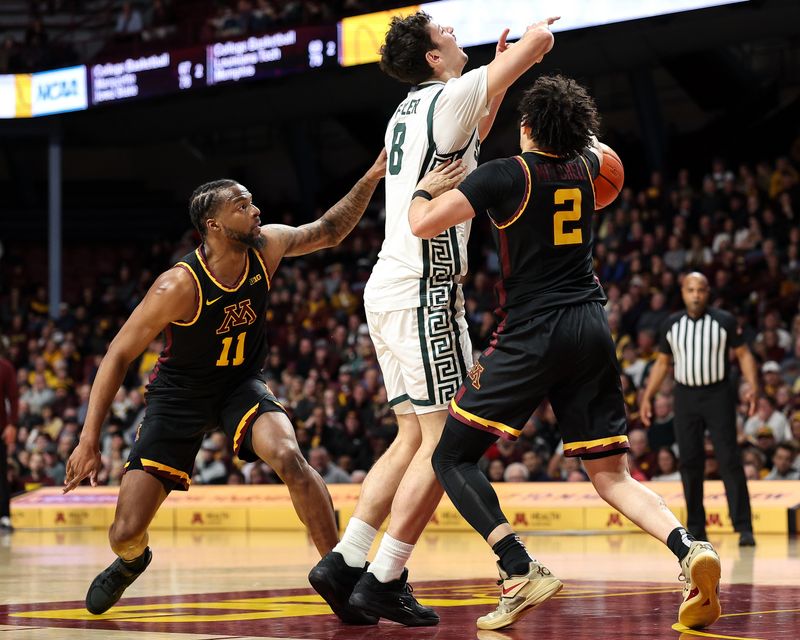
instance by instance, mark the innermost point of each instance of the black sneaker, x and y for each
(746, 539)
(334, 579)
(392, 600)
(109, 586)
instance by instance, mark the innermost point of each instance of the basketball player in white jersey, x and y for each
(415, 307)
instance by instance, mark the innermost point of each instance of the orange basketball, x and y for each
(609, 183)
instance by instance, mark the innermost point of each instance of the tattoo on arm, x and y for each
(335, 223)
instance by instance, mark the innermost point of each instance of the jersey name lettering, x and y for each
(408, 107)
(557, 172)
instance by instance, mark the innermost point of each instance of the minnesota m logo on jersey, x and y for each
(475, 374)
(236, 315)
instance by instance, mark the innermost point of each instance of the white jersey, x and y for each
(435, 122)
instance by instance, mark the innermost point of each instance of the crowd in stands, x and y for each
(124, 27)
(738, 225)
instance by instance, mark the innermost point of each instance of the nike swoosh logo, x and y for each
(512, 587)
(210, 302)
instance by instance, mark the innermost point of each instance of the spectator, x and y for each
(9, 419)
(259, 472)
(207, 468)
(771, 373)
(769, 418)
(783, 463)
(320, 459)
(264, 16)
(662, 428)
(496, 470)
(129, 22)
(666, 465)
(160, 21)
(38, 395)
(36, 476)
(535, 465)
(643, 461)
(516, 472)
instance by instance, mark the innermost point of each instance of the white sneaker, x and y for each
(701, 572)
(520, 594)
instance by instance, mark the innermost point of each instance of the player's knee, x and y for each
(441, 461)
(290, 465)
(408, 439)
(125, 532)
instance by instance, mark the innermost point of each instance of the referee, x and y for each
(698, 340)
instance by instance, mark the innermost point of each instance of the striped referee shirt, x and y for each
(700, 347)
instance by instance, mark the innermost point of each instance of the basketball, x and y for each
(609, 183)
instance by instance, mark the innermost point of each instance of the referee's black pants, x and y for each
(712, 408)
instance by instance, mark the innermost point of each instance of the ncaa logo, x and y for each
(58, 90)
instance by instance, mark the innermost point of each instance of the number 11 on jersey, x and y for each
(238, 359)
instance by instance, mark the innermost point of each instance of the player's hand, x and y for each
(646, 411)
(502, 44)
(378, 169)
(544, 24)
(84, 461)
(443, 178)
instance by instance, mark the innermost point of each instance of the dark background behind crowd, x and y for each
(708, 190)
(39, 34)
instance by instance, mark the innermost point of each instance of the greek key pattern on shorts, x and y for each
(443, 268)
(443, 354)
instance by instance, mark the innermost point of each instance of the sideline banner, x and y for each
(535, 506)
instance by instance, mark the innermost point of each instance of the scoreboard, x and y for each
(167, 72)
(253, 58)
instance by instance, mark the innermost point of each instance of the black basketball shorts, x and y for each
(566, 355)
(172, 431)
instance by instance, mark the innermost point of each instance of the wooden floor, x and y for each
(253, 585)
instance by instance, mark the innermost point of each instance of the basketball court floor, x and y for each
(238, 584)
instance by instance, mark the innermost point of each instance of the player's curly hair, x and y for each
(204, 202)
(403, 52)
(561, 114)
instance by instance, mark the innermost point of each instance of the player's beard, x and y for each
(254, 241)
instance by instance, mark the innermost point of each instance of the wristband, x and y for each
(421, 193)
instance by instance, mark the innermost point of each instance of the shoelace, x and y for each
(114, 579)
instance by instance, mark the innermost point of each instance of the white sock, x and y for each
(355, 543)
(391, 559)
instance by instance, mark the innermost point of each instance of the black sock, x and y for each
(514, 557)
(679, 541)
(137, 564)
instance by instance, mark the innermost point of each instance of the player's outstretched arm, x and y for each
(485, 125)
(436, 205)
(330, 229)
(173, 296)
(516, 59)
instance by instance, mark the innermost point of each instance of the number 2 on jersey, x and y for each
(396, 150)
(238, 359)
(561, 237)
